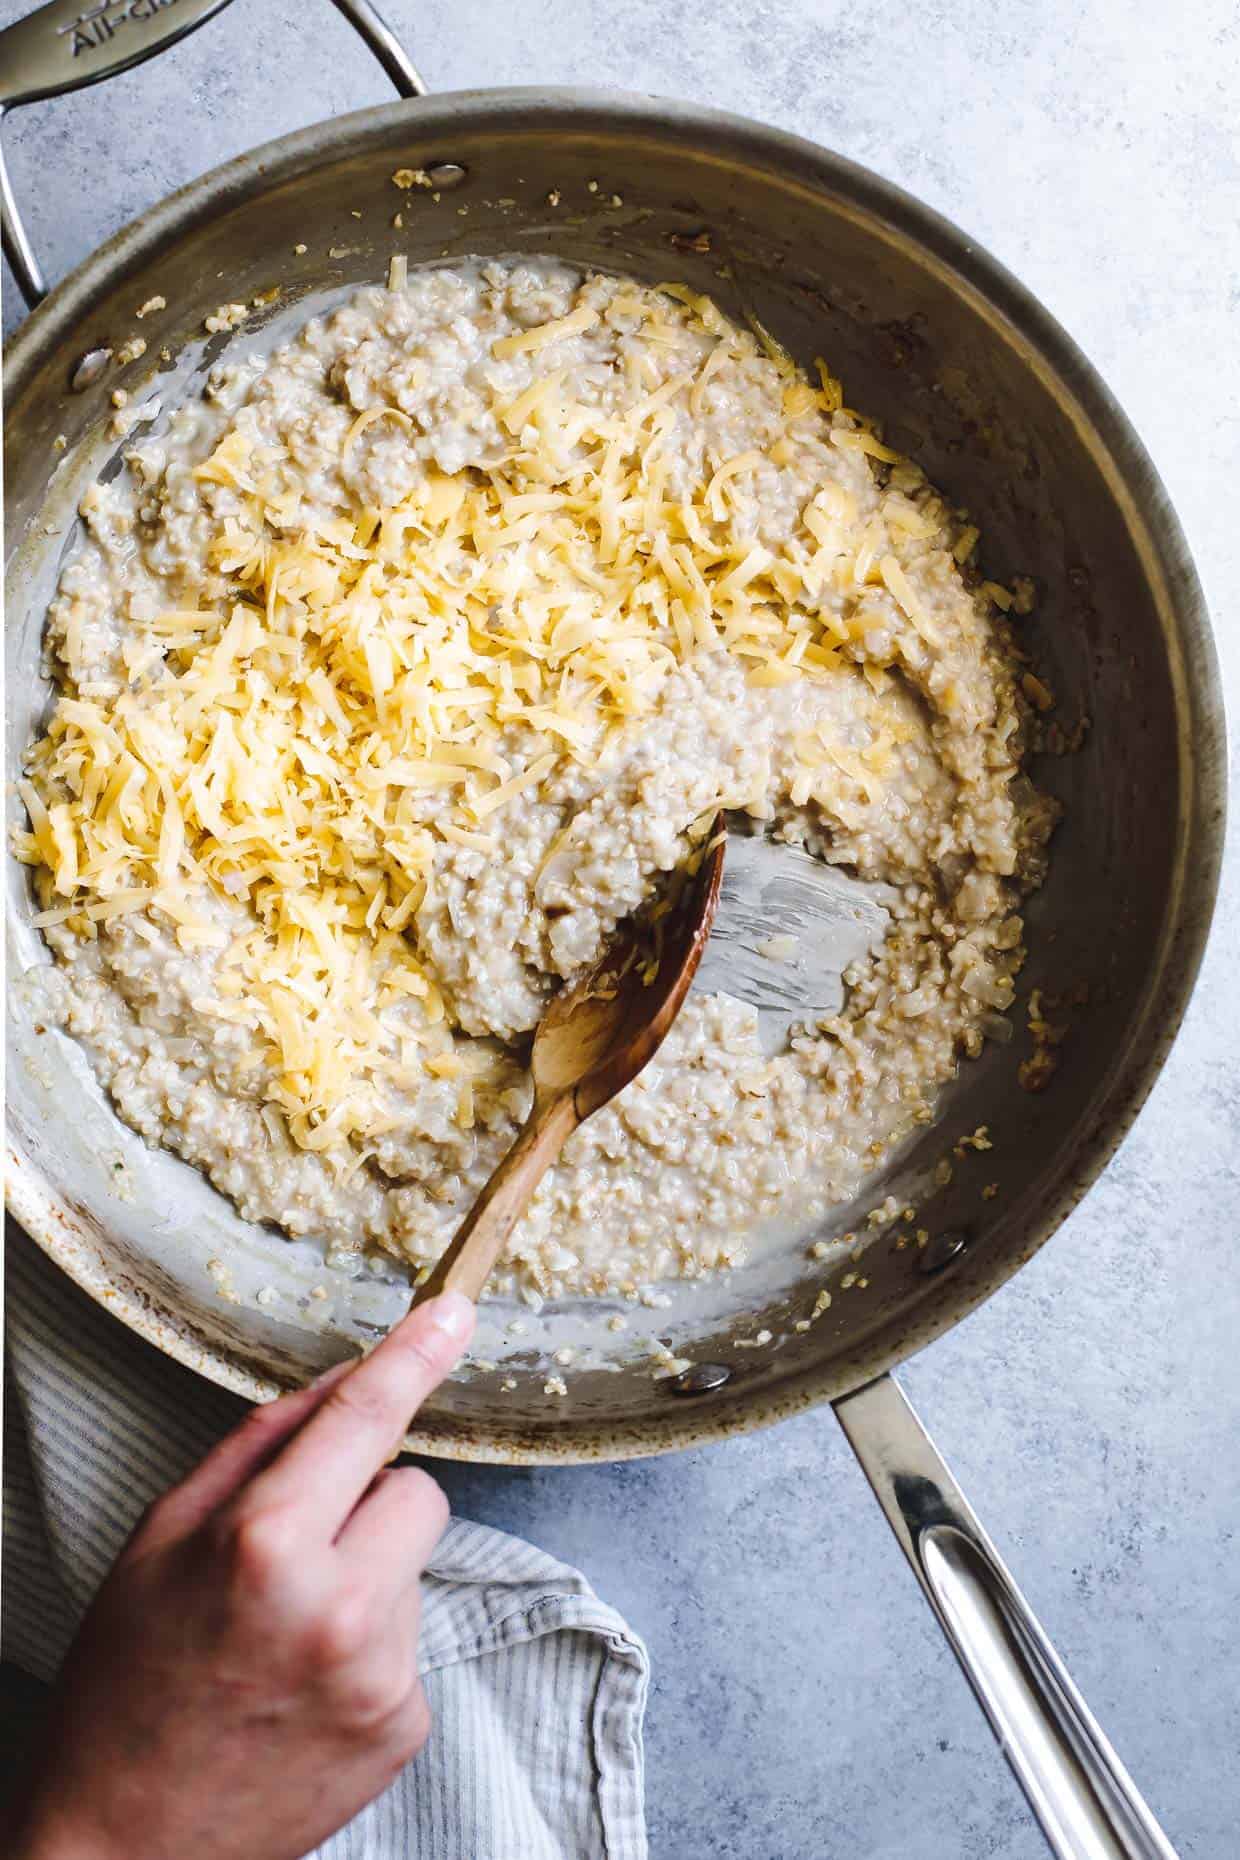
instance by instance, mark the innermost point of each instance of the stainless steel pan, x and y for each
(977, 381)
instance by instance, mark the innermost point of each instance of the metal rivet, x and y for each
(89, 370)
(941, 1251)
(447, 174)
(700, 1379)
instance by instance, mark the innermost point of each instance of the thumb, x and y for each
(433, 1336)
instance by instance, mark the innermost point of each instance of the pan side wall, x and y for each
(969, 378)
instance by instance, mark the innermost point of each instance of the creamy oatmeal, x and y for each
(394, 673)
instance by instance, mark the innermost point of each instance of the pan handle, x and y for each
(69, 44)
(1082, 1795)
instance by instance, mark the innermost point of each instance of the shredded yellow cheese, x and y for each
(529, 340)
(368, 418)
(383, 683)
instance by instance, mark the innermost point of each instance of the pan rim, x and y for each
(1167, 563)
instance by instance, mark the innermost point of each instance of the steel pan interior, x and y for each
(973, 379)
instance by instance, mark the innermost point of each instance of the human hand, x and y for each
(245, 1680)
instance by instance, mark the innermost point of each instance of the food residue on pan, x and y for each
(226, 317)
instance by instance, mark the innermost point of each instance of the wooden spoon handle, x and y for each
(480, 1239)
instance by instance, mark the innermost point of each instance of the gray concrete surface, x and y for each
(803, 1704)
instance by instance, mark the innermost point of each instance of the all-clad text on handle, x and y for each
(71, 43)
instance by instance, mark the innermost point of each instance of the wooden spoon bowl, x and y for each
(594, 1038)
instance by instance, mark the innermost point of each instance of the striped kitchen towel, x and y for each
(537, 1687)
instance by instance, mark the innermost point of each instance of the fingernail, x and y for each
(453, 1314)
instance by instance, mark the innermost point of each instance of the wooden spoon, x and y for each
(594, 1038)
